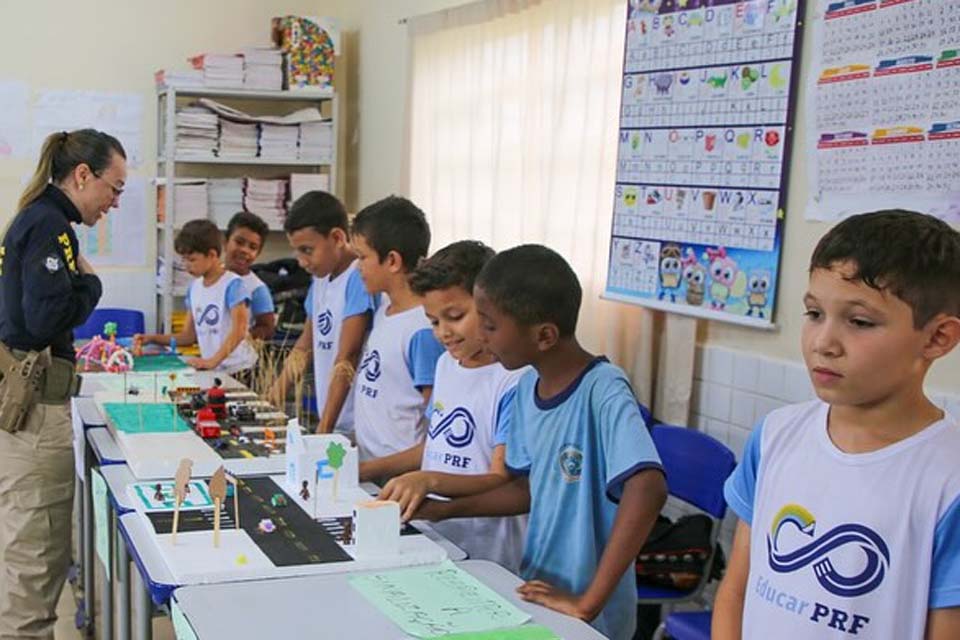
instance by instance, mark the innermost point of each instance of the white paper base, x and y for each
(157, 455)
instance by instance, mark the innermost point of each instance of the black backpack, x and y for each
(676, 554)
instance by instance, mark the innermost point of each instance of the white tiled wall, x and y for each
(733, 390)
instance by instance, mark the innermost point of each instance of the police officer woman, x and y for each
(46, 289)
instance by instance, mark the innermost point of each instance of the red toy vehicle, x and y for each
(207, 425)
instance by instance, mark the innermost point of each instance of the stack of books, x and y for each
(262, 69)
(220, 70)
(267, 199)
(197, 131)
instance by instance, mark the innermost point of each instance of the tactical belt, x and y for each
(28, 378)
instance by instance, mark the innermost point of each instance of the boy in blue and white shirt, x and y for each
(396, 372)
(578, 448)
(849, 505)
(246, 233)
(338, 308)
(217, 304)
(469, 413)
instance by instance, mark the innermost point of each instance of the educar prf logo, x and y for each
(817, 553)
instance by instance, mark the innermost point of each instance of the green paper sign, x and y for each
(101, 517)
(526, 632)
(437, 600)
(181, 626)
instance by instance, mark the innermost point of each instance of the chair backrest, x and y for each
(129, 322)
(696, 464)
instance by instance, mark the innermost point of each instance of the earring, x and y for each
(81, 186)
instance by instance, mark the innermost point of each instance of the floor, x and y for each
(66, 609)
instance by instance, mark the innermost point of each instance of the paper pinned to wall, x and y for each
(118, 240)
(437, 600)
(14, 119)
(119, 114)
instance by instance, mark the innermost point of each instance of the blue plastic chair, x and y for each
(696, 465)
(129, 322)
(685, 625)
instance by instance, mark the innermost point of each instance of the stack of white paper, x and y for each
(181, 278)
(262, 69)
(278, 141)
(189, 202)
(225, 197)
(316, 141)
(223, 71)
(197, 131)
(301, 183)
(237, 140)
(179, 79)
(267, 199)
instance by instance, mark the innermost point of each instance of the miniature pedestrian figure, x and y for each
(158, 492)
(347, 536)
(304, 491)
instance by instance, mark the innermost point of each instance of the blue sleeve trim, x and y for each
(615, 486)
(741, 487)
(308, 302)
(945, 571)
(236, 294)
(261, 301)
(422, 355)
(504, 417)
(357, 301)
(518, 472)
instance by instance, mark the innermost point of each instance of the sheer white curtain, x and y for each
(513, 112)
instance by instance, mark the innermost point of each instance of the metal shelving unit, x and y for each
(167, 98)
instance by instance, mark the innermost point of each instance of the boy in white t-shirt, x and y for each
(396, 372)
(217, 304)
(246, 233)
(339, 310)
(849, 505)
(469, 413)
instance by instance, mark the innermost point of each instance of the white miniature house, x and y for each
(328, 463)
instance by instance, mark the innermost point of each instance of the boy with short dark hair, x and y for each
(339, 310)
(583, 460)
(396, 373)
(849, 505)
(246, 234)
(469, 412)
(217, 304)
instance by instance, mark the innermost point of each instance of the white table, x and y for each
(328, 607)
(156, 583)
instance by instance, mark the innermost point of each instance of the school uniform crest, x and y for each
(571, 462)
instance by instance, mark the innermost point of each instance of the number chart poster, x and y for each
(884, 130)
(705, 127)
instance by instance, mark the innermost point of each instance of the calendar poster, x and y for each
(884, 120)
(705, 129)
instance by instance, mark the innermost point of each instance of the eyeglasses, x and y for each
(117, 191)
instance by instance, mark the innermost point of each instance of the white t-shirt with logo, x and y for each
(847, 545)
(211, 308)
(469, 413)
(329, 302)
(398, 361)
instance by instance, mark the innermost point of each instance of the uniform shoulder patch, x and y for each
(52, 263)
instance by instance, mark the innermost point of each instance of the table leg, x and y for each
(106, 592)
(88, 568)
(144, 612)
(123, 586)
